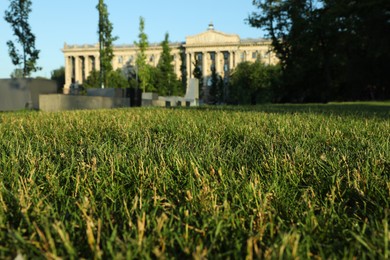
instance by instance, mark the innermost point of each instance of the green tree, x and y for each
(17, 74)
(183, 69)
(105, 43)
(93, 80)
(143, 69)
(360, 32)
(197, 73)
(329, 50)
(299, 45)
(215, 87)
(115, 77)
(252, 83)
(168, 83)
(58, 75)
(17, 16)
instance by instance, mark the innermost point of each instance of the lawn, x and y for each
(271, 181)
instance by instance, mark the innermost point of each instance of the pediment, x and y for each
(212, 37)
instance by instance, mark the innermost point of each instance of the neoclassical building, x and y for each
(211, 48)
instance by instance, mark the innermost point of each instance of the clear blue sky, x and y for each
(55, 22)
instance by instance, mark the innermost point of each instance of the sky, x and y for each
(55, 22)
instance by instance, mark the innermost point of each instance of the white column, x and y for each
(189, 65)
(78, 78)
(68, 71)
(204, 64)
(87, 66)
(178, 65)
(218, 62)
(68, 74)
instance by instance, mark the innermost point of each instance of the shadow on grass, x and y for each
(360, 109)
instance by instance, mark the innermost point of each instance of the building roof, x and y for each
(209, 37)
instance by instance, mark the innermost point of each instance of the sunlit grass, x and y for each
(258, 182)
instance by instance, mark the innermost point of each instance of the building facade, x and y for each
(211, 48)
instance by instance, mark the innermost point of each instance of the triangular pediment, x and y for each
(212, 37)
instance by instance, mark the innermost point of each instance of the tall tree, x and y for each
(17, 16)
(59, 76)
(106, 41)
(17, 74)
(143, 69)
(116, 78)
(328, 49)
(168, 83)
(361, 36)
(253, 83)
(183, 69)
(215, 87)
(299, 42)
(197, 73)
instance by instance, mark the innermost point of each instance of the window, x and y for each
(120, 59)
(243, 56)
(254, 55)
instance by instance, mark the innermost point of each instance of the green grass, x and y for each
(273, 181)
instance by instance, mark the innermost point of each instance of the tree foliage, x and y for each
(142, 67)
(253, 83)
(216, 88)
(106, 41)
(115, 77)
(329, 50)
(197, 73)
(167, 83)
(17, 74)
(183, 69)
(58, 75)
(17, 16)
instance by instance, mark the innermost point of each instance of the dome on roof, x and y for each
(211, 27)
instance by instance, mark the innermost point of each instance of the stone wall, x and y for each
(19, 94)
(106, 92)
(60, 102)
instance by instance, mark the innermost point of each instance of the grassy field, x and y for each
(273, 181)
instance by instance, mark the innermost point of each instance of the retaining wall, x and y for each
(60, 102)
(19, 94)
